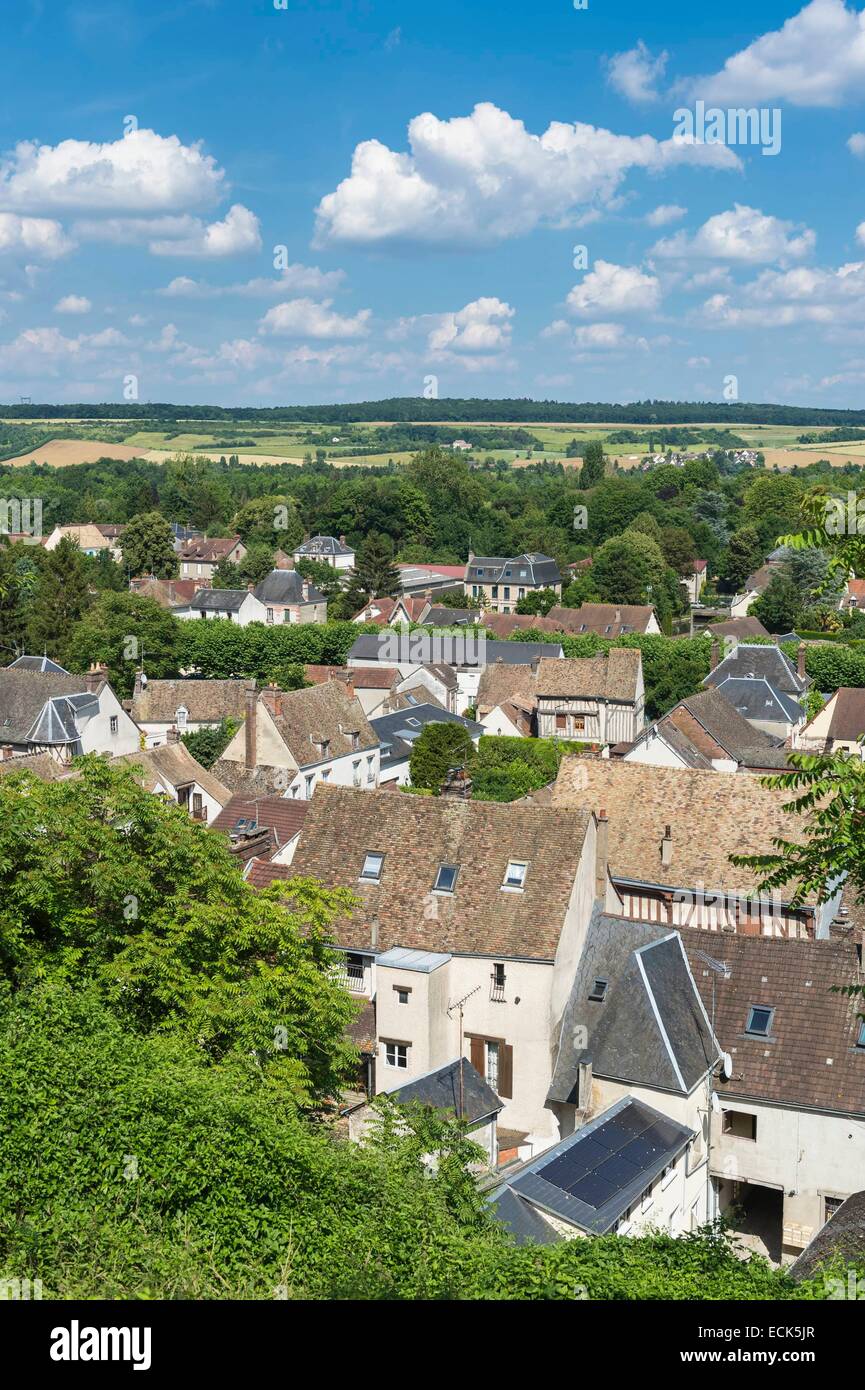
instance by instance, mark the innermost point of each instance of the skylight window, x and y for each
(372, 866)
(598, 992)
(759, 1021)
(446, 878)
(515, 874)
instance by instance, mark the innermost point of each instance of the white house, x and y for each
(171, 771)
(327, 550)
(595, 699)
(61, 714)
(838, 726)
(237, 605)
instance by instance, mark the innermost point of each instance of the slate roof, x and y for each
(207, 701)
(442, 616)
(611, 676)
(761, 661)
(529, 568)
(173, 763)
(217, 600)
(317, 546)
(810, 1058)
(440, 1090)
(522, 1222)
(398, 731)
(42, 707)
(450, 649)
(706, 726)
(37, 663)
(605, 619)
(418, 834)
(755, 698)
(592, 1178)
(650, 1028)
(711, 814)
(286, 586)
(843, 1236)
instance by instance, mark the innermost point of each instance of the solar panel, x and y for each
(618, 1171)
(593, 1190)
(640, 1150)
(574, 1163)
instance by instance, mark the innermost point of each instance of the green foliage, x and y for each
(220, 650)
(59, 600)
(594, 464)
(374, 571)
(120, 630)
(440, 746)
(627, 568)
(147, 545)
(206, 745)
(508, 768)
(538, 601)
(779, 607)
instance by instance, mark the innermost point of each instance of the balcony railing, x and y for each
(352, 978)
(497, 989)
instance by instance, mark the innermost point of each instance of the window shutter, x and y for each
(506, 1071)
(476, 1055)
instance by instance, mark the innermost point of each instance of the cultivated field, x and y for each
(63, 453)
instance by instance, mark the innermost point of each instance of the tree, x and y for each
(679, 549)
(538, 601)
(626, 567)
(147, 546)
(60, 600)
(440, 747)
(594, 464)
(125, 631)
(374, 570)
(744, 555)
(255, 565)
(208, 744)
(291, 675)
(780, 606)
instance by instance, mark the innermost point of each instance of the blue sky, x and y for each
(236, 203)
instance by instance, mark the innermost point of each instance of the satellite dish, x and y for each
(143, 678)
(726, 1066)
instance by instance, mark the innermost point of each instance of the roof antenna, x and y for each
(450, 1013)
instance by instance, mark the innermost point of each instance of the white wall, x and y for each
(96, 735)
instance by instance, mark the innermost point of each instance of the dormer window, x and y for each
(182, 716)
(515, 874)
(372, 866)
(598, 992)
(446, 878)
(759, 1021)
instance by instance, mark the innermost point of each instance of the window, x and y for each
(324, 747)
(647, 1201)
(325, 776)
(497, 990)
(402, 993)
(668, 1174)
(491, 1071)
(396, 1054)
(740, 1125)
(579, 725)
(372, 866)
(515, 874)
(522, 591)
(113, 723)
(759, 1021)
(370, 768)
(598, 992)
(508, 592)
(310, 783)
(355, 741)
(561, 721)
(445, 880)
(860, 1041)
(493, 1059)
(830, 1206)
(182, 715)
(197, 805)
(270, 615)
(355, 773)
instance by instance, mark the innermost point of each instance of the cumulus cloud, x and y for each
(303, 279)
(483, 326)
(73, 304)
(779, 299)
(237, 234)
(306, 318)
(48, 349)
(482, 178)
(856, 144)
(663, 215)
(742, 234)
(34, 236)
(143, 172)
(635, 74)
(614, 289)
(817, 58)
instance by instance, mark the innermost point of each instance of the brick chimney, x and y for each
(95, 676)
(6, 752)
(272, 697)
(250, 729)
(250, 588)
(173, 735)
(457, 784)
(800, 661)
(716, 655)
(602, 855)
(618, 617)
(304, 591)
(138, 687)
(667, 847)
(342, 540)
(349, 684)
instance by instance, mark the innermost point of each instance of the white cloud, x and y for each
(779, 299)
(742, 234)
(73, 304)
(237, 234)
(305, 318)
(48, 349)
(483, 326)
(303, 279)
(817, 58)
(856, 144)
(614, 289)
(698, 362)
(664, 214)
(144, 173)
(40, 236)
(482, 178)
(606, 337)
(635, 73)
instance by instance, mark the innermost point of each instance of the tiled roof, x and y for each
(260, 873)
(374, 677)
(42, 706)
(756, 698)
(848, 714)
(207, 702)
(322, 713)
(810, 1057)
(711, 814)
(211, 550)
(42, 765)
(417, 835)
(399, 729)
(499, 683)
(284, 815)
(218, 600)
(384, 607)
(716, 729)
(738, 627)
(604, 619)
(843, 1236)
(168, 593)
(611, 676)
(173, 763)
(503, 624)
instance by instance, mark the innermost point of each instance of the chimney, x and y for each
(173, 735)
(716, 655)
(272, 697)
(251, 740)
(602, 856)
(584, 1085)
(304, 591)
(667, 847)
(342, 540)
(95, 676)
(800, 663)
(349, 684)
(457, 784)
(250, 588)
(138, 687)
(6, 752)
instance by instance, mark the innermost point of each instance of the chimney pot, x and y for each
(716, 655)
(250, 730)
(800, 663)
(602, 856)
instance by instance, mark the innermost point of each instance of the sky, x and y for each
(265, 202)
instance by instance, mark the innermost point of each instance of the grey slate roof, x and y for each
(528, 568)
(843, 1235)
(37, 663)
(757, 699)
(440, 1089)
(754, 659)
(318, 546)
(218, 600)
(440, 615)
(286, 586)
(650, 1029)
(520, 1219)
(40, 707)
(595, 1175)
(453, 649)
(397, 732)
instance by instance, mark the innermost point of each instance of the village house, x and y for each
(596, 699)
(837, 727)
(200, 556)
(670, 835)
(238, 606)
(467, 654)
(706, 731)
(694, 581)
(430, 579)
(50, 711)
(499, 583)
(289, 598)
(171, 771)
(605, 619)
(292, 740)
(262, 828)
(507, 700)
(455, 1089)
(91, 539)
(326, 550)
(853, 598)
(398, 731)
(740, 628)
(761, 683)
(168, 593)
(467, 935)
(755, 586)
(503, 625)
(187, 706)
